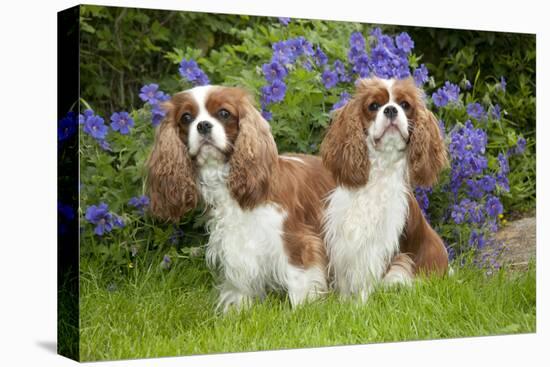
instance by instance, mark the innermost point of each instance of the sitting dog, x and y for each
(380, 144)
(265, 210)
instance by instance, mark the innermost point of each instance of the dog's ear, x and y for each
(427, 153)
(171, 181)
(344, 149)
(254, 156)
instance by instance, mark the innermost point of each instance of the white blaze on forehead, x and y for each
(388, 83)
(217, 133)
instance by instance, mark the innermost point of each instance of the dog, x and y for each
(264, 210)
(379, 145)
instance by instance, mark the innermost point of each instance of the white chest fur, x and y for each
(363, 225)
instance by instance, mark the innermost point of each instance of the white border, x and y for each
(28, 180)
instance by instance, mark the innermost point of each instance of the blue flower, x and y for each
(103, 144)
(477, 239)
(476, 111)
(284, 21)
(452, 90)
(95, 127)
(458, 214)
(319, 57)
(487, 183)
(440, 98)
(166, 262)
(282, 53)
(274, 71)
(139, 202)
(467, 85)
(420, 75)
(340, 70)
(121, 122)
(267, 115)
(493, 206)
(66, 127)
(149, 93)
(330, 78)
(357, 41)
(275, 92)
(404, 42)
(421, 194)
(495, 112)
(502, 84)
(103, 219)
(520, 146)
(190, 70)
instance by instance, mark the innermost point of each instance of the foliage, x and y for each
(298, 71)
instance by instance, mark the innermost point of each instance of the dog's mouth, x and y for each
(391, 129)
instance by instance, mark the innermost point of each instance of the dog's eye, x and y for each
(187, 118)
(224, 114)
(374, 107)
(405, 105)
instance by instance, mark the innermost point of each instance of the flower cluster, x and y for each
(189, 69)
(104, 220)
(285, 54)
(449, 93)
(153, 96)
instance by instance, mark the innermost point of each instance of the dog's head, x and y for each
(209, 125)
(384, 116)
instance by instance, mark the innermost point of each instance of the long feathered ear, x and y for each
(427, 152)
(344, 149)
(253, 158)
(171, 180)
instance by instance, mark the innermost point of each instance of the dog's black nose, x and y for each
(204, 127)
(390, 112)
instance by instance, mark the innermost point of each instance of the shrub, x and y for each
(299, 71)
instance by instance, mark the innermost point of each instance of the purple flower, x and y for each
(66, 127)
(282, 54)
(493, 206)
(520, 145)
(404, 42)
(148, 93)
(190, 70)
(502, 84)
(166, 262)
(95, 127)
(477, 239)
(121, 122)
(274, 71)
(452, 90)
(467, 85)
(102, 218)
(267, 115)
(103, 144)
(319, 57)
(421, 194)
(330, 78)
(344, 98)
(495, 112)
(487, 183)
(284, 21)
(420, 75)
(275, 92)
(440, 98)
(458, 214)
(357, 42)
(476, 111)
(139, 202)
(340, 70)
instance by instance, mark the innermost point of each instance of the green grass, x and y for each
(151, 312)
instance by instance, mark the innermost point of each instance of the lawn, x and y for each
(148, 311)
